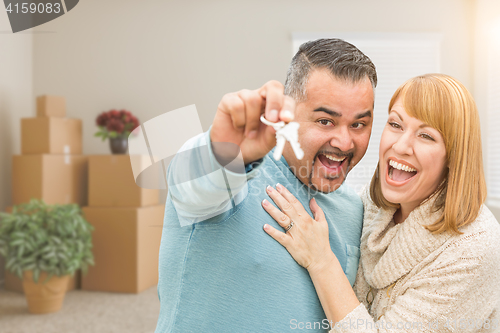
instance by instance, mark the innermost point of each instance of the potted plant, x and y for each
(44, 245)
(117, 126)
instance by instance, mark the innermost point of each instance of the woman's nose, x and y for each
(404, 145)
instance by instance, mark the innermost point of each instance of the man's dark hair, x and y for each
(342, 59)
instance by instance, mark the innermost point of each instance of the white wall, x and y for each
(16, 101)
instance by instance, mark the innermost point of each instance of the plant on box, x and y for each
(44, 245)
(117, 126)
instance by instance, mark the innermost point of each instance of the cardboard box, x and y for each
(50, 106)
(112, 183)
(56, 179)
(126, 244)
(51, 135)
(14, 283)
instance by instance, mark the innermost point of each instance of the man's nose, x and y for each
(404, 144)
(342, 140)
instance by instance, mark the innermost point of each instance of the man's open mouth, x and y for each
(400, 172)
(332, 163)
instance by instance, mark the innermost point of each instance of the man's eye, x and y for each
(325, 122)
(358, 125)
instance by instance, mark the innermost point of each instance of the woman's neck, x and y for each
(403, 212)
(398, 216)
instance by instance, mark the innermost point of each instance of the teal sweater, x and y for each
(220, 272)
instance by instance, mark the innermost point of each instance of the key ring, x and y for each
(276, 126)
(285, 132)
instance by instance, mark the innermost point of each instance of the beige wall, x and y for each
(16, 101)
(155, 56)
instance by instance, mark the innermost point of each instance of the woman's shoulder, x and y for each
(485, 225)
(480, 239)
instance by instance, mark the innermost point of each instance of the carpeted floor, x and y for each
(83, 312)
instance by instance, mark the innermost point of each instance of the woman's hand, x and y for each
(307, 240)
(309, 244)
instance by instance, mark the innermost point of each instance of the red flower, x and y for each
(115, 125)
(135, 121)
(122, 122)
(114, 114)
(102, 119)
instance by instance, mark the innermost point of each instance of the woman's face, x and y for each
(412, 159)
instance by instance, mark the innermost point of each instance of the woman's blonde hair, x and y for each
(446, 105)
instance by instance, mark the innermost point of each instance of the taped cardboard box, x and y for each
(51, 135)
(56, 179)
(50, 106)
(112, 183)
(126, 243)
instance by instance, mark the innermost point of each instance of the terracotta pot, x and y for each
(118, 145)
(44, 298)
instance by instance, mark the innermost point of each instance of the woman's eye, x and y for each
(394, 124)
(427, 136)
(325, 122)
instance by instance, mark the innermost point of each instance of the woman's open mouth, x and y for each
(332, 163)
(398, 173)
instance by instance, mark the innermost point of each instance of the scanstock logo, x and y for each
(25, 14)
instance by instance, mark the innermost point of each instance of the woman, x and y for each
(430, 253)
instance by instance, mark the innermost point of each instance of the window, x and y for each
(397, 58)
(493, 105)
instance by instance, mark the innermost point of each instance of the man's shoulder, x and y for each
(270, 169)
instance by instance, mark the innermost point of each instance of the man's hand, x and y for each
(237, 121)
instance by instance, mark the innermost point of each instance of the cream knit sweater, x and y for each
(410, 280)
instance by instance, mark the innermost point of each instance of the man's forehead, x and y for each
(338, 114)
(322, 75)
(339, 98)
(322, 85)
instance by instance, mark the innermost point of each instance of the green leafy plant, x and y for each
(52, 238)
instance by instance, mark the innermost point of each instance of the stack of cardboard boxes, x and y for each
(50, 166)
(128, 223)
(127, 219)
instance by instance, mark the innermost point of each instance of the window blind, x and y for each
(493, 141)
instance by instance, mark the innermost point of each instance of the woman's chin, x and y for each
(391, 196)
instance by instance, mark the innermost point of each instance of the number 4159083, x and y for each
(34, 8)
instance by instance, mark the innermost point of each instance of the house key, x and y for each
(285, 133)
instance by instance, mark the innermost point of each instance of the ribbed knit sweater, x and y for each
(410, 280)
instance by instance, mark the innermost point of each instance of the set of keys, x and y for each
(285, 132)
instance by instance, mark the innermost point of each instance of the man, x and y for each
(220, 272)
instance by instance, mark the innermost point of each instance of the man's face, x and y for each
(335, 127)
